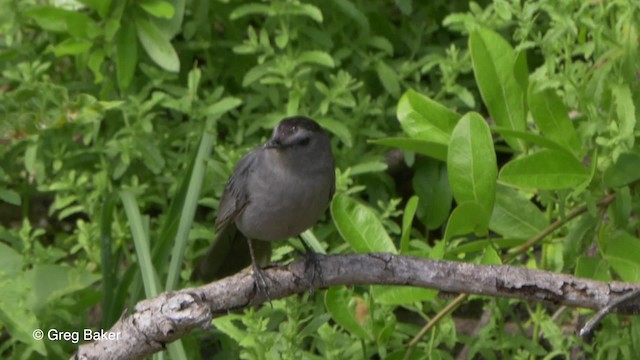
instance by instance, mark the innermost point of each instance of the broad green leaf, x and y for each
(71, 46)
(16, 314)
(426, 111)
(626, 113)
(157, 46)
(592, 268)
(342, 306)
(417, 127)
(529, 137)
(221, 106)
(10, 196)
(400, 295)
(580, 234)
(172, 26)
(50, 282)
(157, 8)
(407, 220)
(389, 78)
(552, 118)
(431, 183)
(494, 61)
(546, 169)
(490, 257)
(317, 57)
(471, 162)
(126, 54)
(623, 254)
(515, 216)
(360, 226)
(625, 170)
(10, 261)
(432, 149)
(54, 19)
(467, 218)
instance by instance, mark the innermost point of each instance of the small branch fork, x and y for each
(161, 320)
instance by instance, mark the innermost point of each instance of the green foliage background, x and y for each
(121, 120)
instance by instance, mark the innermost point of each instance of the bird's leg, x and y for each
(311, 263)
(259, 276)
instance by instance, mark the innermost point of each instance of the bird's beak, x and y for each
(273, 143)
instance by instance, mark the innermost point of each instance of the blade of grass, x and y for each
(188, 210)
(141, 242)
(109, 266)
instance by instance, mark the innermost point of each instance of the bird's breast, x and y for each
(284, 203)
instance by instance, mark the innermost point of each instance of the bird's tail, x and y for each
(228, 254)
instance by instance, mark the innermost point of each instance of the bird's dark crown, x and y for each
(299, 122)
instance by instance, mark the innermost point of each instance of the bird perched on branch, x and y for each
(276, 191)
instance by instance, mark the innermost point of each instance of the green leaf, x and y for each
(54, 19)
(425, 113)
(11, 261)
(546, 169)
(592, 268)
(341, 305)
(493, 66)
(467, 218)
(623, 254)
(100, 6)
(95, 62)
(302, 9)
(418, 128)
(10, 196)
(471, 162)
(625, 170)
(51, 282)
(126, 54)
(16, 316)
(400, 295)
(316, 57)
(157, 46)
(251, 9)
(552, 118)
(432, 149)
(431, 184)
(171, 27)
(71, 46)
(360, 226)
(221, 106)
(515, 216)
(626, 113)
(407, 221)
(388, 78)
(530, 138)
(157, 8)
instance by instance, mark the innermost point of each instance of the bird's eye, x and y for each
(305, 141)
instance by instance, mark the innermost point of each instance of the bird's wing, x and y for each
(235, 196)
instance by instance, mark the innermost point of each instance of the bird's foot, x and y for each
(312, 269)
(260, 281)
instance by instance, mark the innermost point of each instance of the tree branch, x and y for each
(156, 322)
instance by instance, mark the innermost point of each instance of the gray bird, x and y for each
(276, 191)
